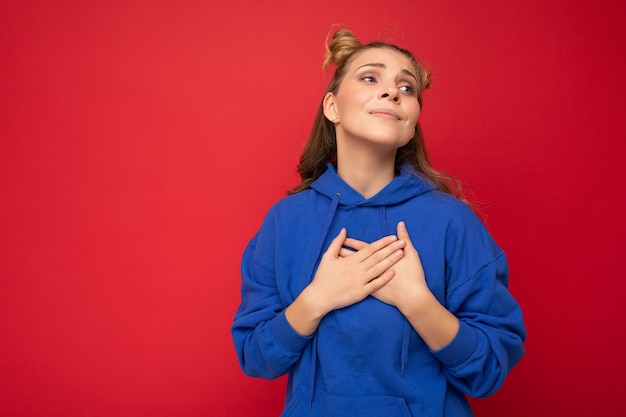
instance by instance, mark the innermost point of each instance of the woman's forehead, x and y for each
(385, 56)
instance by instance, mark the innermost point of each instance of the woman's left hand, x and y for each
(409, 283)
(408, 292)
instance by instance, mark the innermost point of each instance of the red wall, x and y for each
(141, 143)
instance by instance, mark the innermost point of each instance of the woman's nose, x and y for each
(391, 92)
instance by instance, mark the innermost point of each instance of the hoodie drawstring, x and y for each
(406, 334)
(329, 219)
(406, 337)
(382, 217)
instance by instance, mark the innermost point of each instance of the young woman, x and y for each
(378, 291)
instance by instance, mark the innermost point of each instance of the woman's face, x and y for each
(376, 100)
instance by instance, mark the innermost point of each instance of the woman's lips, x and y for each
(385, 114)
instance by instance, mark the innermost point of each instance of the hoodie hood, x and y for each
(407, 185)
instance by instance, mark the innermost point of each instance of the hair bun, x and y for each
(340, 47)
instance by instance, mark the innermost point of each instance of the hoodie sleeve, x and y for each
(267, 346)
(490, 340)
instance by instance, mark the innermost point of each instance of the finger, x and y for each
(403, 231)
(381, 266)
(346, 252)
(376, 246)
(382, 254)
(335, 246)
(379, 282)
(354, 243)
(403, 234)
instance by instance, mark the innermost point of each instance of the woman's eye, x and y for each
(408, 89)
(369, 79)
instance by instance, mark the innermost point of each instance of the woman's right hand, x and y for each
(343, 279)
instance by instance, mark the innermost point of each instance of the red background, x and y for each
(142, 142)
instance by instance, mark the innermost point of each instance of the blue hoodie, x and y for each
(366, 359)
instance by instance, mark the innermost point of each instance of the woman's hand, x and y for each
(344, 277)
(410, 294)
(409, 285)
(409, 281)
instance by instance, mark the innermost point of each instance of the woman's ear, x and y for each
(330, 107)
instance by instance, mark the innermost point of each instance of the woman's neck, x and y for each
(366, 172)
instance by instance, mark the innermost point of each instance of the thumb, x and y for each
(403, 234)
(337, 244)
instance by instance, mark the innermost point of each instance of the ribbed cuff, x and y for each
(461, 348)
(284, 338)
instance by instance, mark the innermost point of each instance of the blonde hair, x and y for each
(321, 146)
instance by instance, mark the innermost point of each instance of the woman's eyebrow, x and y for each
(381, 65)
